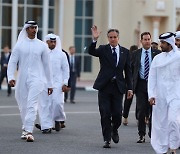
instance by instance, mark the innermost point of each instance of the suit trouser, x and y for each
(142, 105)
(4, 75)
(127, 105)
(110, 107)
(73, 85)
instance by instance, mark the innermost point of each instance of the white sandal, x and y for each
(29, 137)
(24, 135)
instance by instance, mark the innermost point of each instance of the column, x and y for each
(0, 25)
(14, 22)
(156, 23)
(110, 14)
(61, 18)
(45, 18)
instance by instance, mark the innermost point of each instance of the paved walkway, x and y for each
(81, 85)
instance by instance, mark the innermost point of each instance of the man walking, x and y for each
(75, 69)
(4, 64)
(60, 76)
(32, 58)
(111, 82)
(163, 91)
(141, 61)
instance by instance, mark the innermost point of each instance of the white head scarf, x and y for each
(169, 38)
(23, 33)
(177, 34)
(54, 37)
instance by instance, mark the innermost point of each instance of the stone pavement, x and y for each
(81, 85)
(82, 134)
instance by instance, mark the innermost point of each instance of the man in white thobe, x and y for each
(60, 76)
(177, 38)
(163, 91)
(31, 56)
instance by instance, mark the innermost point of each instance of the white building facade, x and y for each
(72, 21)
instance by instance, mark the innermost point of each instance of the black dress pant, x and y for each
(142, 106)
(73, 85)
(110, 107)
(127, 105)
(4, 75)
(73, 78)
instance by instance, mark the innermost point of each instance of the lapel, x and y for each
(139, 57)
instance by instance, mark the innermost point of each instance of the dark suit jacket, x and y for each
(108, 68)
(4, 60)
(78, 65)
(136, 64)
(69, 81)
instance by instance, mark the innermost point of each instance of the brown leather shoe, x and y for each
(62, 124)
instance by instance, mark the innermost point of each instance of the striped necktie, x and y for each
(146, 66)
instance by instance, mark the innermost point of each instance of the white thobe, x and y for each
(60, 75)
(32, 58)
(163, 85)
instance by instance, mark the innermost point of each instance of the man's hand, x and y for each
(50, 90)
(129, 94)
(95, 33)
(65, 88)
(152, 101)
(12, 83)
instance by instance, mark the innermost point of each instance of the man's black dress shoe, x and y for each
(115, 136)
(57, 126)
(107, 144)
(46, 131)
(141, 139)
(72, 102)
(38, 126)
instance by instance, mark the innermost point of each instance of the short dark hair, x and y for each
(113, 30)
(71, 47)
(133, 48)
(145, 33)
(154, 43)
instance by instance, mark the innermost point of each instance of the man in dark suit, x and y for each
(128, 102)
(75, 69)
(4, 63)
(141, 60)
(111, 82)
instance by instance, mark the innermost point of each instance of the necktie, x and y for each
(72, 63)
(114, 55)
(146, 66)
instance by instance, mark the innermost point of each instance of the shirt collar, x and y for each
(144, 50)
(117, 47)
